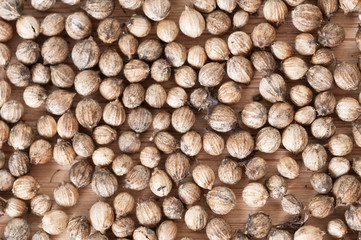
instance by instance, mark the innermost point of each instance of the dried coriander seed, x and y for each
(196, 218)
(137, 178)
(273, 88)
(111, 88)
(191, 23)
(133, 95)
(104, 183)
(109, 30)
(27, 52)
(280, 115)
(217, 49)
(294, 138)
(277, 186)
(331, 35)
(197, 57)
(306, 17)
(27, 27)
(218, 228)
(15, 207)
(110, 63)
(213, 144)
(339, 166)
(323, 56)
(40, 152)
(64, 153)
(21, 136)
(320, 78)
(239, 69)
(34, 96)
(81, 173)
(191, 143)
(62, 75)
(178, 167)
(347, 76)
(17, 228)
(67, 125)
(305, 44)
(173, 208)
(123, 227)
(7, 180)
(136, 70)
(5, 92)
(263, 62)
(66, 195)
(40, 74)
(78, 227)
(258, 225)
(139, 26)
(281, 50)
(85, 54)
(229, 171)
(254, 115)
(149, 50)
(309, 231)
(18, 74)
(123, 203)
(19, 164)
(314, 156)
(160, 183)
(218, 22)
(337, 228)
(54, 50)
(255, 195)
(240, 19)
(53, 24)
(12, 111)
(340, 145)
(203, 176)
(306, 116)
(129, 142)
(167, 30)
(346, 190)
(78, 25)
(150, 157)
(221, 118)
(294, 68)
(101, 216)
(183, 119)
(25, 187)
(88, 113)
(256, 168)
(59, 101)
(275, 11)
(165, 142)
(268, 140)
(263, 35)
(239, 43)
(113, 113)
(161, 70)
(40, 204)
(99, 9)
(240, 144)
(189, 193)
(83, 145)
(148, 212)
(321, 182)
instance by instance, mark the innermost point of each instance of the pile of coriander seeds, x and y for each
(164, 119)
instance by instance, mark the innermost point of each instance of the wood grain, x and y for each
(51, 174)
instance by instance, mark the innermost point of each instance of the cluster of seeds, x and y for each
(207, 79)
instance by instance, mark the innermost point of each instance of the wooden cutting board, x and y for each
(51, 174)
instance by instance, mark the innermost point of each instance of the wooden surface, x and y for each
(51, 174)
